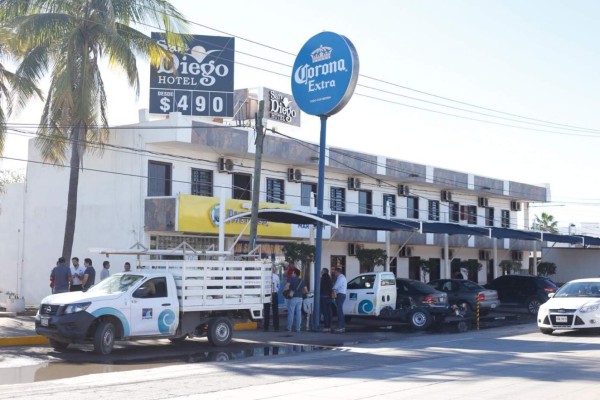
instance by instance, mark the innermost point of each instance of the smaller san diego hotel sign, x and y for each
(200, 80)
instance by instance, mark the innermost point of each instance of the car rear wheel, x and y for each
(420, 319)
(533, 305)
(546, 331)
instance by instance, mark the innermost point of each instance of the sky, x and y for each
(537, 59)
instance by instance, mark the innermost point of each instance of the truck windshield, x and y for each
(117, 283)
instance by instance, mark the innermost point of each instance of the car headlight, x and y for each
(77, 307)
(589, 308)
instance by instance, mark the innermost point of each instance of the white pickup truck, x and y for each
(164, 299)
(382, 295)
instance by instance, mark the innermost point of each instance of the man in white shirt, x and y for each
(274, 304)
(77, 271)
(339, 294)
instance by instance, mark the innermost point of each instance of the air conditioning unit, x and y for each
(403, 190)
(450, 254)
(515, 206)
(482, 201)
(406, 251)
(517, 255)
(446, 195)
(294, 175)
(353, 183)
(225, 164)
(353, 248)
(484, 255)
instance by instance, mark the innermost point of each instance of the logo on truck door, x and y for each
(165, 320)
(365, 307)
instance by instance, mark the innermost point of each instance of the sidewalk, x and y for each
(19, 330)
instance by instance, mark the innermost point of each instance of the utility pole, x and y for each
(260, 137)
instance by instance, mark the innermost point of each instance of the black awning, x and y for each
(371, 222)
(506, 233)
(374, 223)
(590, 240)
(551, 237)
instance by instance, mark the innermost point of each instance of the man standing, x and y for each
(61, 276)
(89, 276)
(274, 305)
(77, 271)
(105, 273)
(127, 267)
(339, 294)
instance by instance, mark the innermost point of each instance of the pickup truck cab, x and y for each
(377, 295)
(169, 299)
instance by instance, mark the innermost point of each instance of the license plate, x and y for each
(493, 305)
(561, 318)
(44, 321)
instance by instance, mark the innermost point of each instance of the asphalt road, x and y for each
(513, 361)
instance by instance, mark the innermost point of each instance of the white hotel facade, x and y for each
(157, 182)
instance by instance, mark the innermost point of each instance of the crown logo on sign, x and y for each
(320, 54)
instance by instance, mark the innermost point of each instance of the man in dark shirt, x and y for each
(61, 276)
(89, 276)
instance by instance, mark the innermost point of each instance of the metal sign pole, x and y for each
(319, 239)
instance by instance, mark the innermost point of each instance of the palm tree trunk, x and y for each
(72, 196)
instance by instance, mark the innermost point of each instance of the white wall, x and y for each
(573, 263)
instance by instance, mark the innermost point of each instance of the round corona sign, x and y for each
(325, 74)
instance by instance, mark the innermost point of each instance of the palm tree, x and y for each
(545, 223)
(14, 90)
(66, 39)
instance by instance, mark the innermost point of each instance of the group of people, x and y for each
(76, 277)
(332, 289)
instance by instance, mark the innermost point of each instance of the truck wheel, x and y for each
(220, 331)
(104, 338)
(58, 345)
(420, 320)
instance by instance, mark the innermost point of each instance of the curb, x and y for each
(23, 341)
(38, 340)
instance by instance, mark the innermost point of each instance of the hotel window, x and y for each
(453, 211)
(365, 202)
(202, 182)
(275, 191)
(505, 219)
(337, 199)
(242, 186)
(412, 207)
(489, 216)
(434, 210)
(305, 195)
(469, 213)
(159, 178)
(389, 199)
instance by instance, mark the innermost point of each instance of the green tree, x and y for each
(14, 90)
(545, 223)
(509, 266)
(7, 177)
(299, 252)
(370, 258)
(546, 268)
(67, 39)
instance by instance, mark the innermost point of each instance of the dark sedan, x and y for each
(416, 293)
(468, 292)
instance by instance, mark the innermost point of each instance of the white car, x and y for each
(576, 305)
